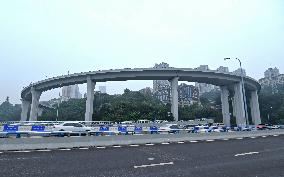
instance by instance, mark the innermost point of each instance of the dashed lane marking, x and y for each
(150, 144)
(21, 151)
(165, 143)
(180, 142)
(263, 136)
(84, 148)
(247, 153)
(64, 149)
(43, 150)
(117, 146)
(151, 158)
(210, 140)
(153, 165)
(239, 138)
(134, 145)
(193, 141)
(100, 147)
(252, 137)
(275, 135)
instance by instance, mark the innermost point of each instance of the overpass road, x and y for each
(248, 157)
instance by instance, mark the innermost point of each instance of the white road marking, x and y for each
(239, 138)
(165, 143)
(43, 150)
(134, 145)
(21, 151)
(193, 141)
(100, 147)
(247, 153)
(153, 165)
(180, 142)
(264, 136)
(150, 144)
(275, 135)
(252, 137)
(84, 148)
(210, 140)
(225, 139)
(65, 149)
(151, 158)
(117, 146)
(1, 152)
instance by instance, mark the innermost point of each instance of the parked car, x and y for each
(189, 128)
(261, 127)
(170, 128)
(201, 129)
(71, 126)
(272, 127)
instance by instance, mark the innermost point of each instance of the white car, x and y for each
(71, 126)
(201, 129)
(170, 128)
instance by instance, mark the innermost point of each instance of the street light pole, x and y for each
(243, 90)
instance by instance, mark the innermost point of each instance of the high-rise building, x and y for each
(203, 87)
(223, 69)
(187, 94)
(161, 88)
(272, 78)
(71, 91)
(271, 72)
(240, 72)
(102, 89)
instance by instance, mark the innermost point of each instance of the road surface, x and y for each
(247, 157)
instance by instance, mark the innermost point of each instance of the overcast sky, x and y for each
(41, 39)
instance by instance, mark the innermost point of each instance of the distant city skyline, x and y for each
(40, 40)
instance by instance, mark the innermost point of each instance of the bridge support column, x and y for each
(35, 102)
(25, 109)
(239, 105)
(225, 105)
(174, 100)
(254, 105)
(90, 99)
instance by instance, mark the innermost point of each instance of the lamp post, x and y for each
(243, 89)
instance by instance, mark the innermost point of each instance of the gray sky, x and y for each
(48, 38)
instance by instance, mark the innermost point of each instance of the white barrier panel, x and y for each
(113, 129)
(96, 129)
(145, 129)
(48, 128)
(25, 128)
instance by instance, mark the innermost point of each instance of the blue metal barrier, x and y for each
(11, 128)
(104, 128)
(38, 128)
(154, 129)
(138, 130)
(122, 130)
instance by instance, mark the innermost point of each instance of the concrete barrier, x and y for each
(71, 142)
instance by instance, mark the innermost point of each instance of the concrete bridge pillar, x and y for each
(35, 102)
(90, 99)
(239, 105)
(225, 105)
(254, 105)
(174, 100)
(25, 109)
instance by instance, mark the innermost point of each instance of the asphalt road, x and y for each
(258, 157)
